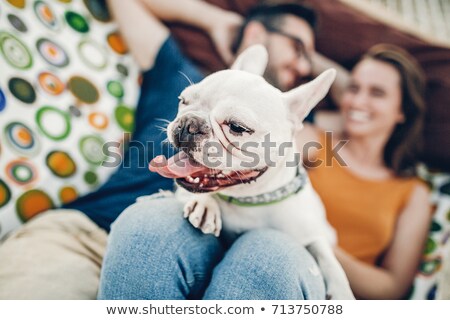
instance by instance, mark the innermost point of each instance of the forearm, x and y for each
(367, 281)
(321, 63)
(140, 29)
(192, 12)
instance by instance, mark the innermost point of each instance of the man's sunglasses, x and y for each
(298, 43)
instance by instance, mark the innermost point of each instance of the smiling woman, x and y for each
(375, 202)
(397, 86)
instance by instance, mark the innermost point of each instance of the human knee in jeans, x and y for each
(154, 253)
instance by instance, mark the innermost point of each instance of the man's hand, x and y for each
(321, 63)
(139, 18)
(223, 32)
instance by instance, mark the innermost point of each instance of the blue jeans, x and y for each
(154, 253)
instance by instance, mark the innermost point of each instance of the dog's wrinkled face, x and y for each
(221, 124)
(230, 125)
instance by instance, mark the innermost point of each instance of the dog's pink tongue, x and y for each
(178, 166)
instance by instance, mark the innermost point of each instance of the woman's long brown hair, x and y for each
(402, 151)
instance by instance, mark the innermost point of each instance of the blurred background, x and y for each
(68, 85)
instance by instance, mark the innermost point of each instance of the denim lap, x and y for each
(154, 253)
(266, 264)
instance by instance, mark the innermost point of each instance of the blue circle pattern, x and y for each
(2, 100)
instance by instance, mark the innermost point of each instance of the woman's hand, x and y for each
(223, 32)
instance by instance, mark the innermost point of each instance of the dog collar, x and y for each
(278, 195)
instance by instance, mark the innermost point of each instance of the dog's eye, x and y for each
(182, 100)
(238, 129)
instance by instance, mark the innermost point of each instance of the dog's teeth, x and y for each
(201, 185)
(190, 179)
(226, 172)
(205, 176)
(220, 175)
(197, 180)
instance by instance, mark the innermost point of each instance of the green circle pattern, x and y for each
(5, 193)
(115, 88)
(430, 246)
(77, 22)
(125, 117)
(96, 57)
(22, 90)
(430, 267)
(15, 51)
(22, 173)
(91, 148)
(63, 116)
(91, 178)
(83, 89)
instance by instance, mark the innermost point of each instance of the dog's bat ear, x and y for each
(253, 59)
(304, 98)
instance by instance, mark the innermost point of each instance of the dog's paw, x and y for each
(203, 213)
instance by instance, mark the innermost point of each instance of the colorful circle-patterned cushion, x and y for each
(67, 86)
(426, 281)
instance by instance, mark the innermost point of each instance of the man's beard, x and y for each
(271, 77)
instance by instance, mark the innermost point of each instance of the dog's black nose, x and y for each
(189, 130)
(192, 126)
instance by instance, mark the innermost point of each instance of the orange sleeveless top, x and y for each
(363, 211)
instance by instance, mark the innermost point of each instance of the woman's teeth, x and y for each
(357, 115)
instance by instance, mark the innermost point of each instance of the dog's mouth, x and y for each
(212, 180)
(198, 178)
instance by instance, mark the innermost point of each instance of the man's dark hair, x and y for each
(272, 16)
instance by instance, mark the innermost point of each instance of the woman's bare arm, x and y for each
(394, 277)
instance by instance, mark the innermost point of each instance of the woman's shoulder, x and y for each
(308, 133)
(412, 182)
(413, 189)
(319, 144)
(306, 137)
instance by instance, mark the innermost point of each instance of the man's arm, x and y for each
(321, 63)
(140, 29)
(140, 22)
(196, 13)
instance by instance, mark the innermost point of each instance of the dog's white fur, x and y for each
(241, 93)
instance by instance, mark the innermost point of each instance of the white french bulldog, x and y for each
(238, 160)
